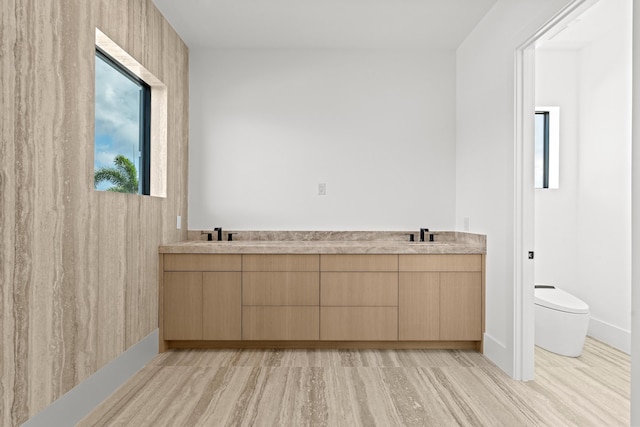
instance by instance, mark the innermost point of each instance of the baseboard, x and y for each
(78, 402)
(497, 352)
(610, 334)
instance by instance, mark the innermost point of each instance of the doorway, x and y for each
(524, 272)
(583, 225)
(576, 56)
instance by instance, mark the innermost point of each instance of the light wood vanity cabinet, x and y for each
(182, 306)
(201, 298)
(280, 297)
(419, 302)
(461, 306)
(332, 300)
(221, 310)
(441, 297)
(359, 297)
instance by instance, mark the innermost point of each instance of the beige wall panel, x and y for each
(359, 262)
(419, 307)
(182, 306)
(280, 288)
(280, 262)
(112, 278)
(79, 267)
(202, 262)
(358, 323)
(222, 306)
(440, 262)
(460, 306)
(14, 248)
(359, 289)
(280, 323)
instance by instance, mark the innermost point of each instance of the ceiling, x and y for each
(594, 24)
(323, 23)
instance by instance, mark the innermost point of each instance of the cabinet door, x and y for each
(222, 306)
(419, 307)
(182, 306)
(461, 306)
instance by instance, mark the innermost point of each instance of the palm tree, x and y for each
(123, 175)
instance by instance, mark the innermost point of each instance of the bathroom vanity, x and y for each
(323, 290)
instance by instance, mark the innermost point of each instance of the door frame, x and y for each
(524, 191)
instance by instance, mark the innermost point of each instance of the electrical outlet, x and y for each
(322, 189)
(179, 222)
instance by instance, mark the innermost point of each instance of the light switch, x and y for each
(322, 189)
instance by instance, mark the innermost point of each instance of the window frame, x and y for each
(551, 158)
(545, 149)
(145, 119)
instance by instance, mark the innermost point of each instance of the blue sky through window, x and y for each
(117, 118)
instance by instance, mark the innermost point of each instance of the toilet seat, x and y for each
(557, 299)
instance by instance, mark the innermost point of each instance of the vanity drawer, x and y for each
(359, 262)
(280, 288)
(358, 323)
(280, 323)
(280, 262)
(440, 262)
(359, 289)
(202, 262)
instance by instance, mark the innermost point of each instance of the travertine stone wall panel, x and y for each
(78, 267)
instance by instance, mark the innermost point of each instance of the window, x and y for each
(122, 128)
(546, 147)
(542, 149)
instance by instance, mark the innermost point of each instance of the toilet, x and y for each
(561, 321)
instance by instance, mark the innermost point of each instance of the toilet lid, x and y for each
(558, 299)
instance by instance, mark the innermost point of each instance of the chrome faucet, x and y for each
(422, 230)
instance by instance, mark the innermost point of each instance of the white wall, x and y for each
(267, 126)
(635, 268)
(556, 210)
(583, 229)
(485, 152)
(604, 233)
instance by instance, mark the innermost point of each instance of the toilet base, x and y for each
(560, 332)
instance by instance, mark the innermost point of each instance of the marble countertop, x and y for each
(340, 243)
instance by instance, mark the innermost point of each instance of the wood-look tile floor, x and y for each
(369, 387)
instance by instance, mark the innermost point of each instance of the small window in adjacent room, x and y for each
(547, 163)
(122, 128)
